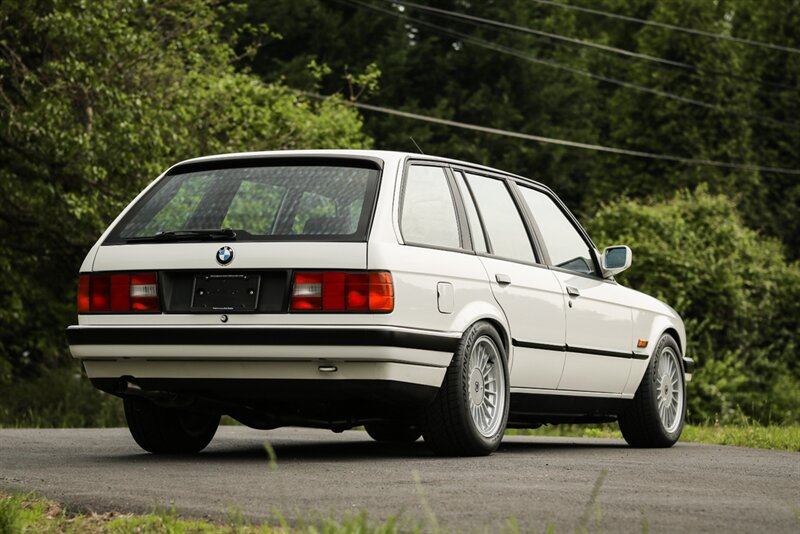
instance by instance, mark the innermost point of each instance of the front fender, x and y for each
(649, 326)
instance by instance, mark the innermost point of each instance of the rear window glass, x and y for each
(309, 202)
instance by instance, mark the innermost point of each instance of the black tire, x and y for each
(447, 424)
(641, 424)
(393, 432)
(168, 431)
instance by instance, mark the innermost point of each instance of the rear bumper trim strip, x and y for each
(87, 335)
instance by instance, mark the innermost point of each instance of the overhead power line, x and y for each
(672, 27)
(629, 54)
(561, 142)
(540, 33)
(561, 66)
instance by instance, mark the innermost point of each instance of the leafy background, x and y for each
(98, 97)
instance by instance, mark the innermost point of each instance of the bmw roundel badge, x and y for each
(225, 255)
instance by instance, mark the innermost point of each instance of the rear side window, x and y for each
(306, 202)
(501, 219)
(428, 215)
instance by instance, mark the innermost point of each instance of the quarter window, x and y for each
(502, 221)
(428, 215)
(566, 247)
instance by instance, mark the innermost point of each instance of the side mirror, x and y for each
(616, 259)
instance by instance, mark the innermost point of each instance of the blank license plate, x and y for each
(225, 292)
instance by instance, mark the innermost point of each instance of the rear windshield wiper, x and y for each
(186, 235)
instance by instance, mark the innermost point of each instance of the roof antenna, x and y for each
(416, 145)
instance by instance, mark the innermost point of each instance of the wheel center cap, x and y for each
(476, 386)
(666, 387)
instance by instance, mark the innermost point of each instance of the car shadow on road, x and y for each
(318, 451)
(515, 447)
(347, 450)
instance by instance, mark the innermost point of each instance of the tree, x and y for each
(749, 95)
(96, 99)
(735, 290)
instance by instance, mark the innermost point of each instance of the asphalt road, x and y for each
(538, 481)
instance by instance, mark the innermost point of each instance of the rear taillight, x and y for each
(343, 291)
(118, 293)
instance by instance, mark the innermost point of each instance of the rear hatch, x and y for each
(227, 235)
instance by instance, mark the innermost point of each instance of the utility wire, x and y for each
(560, 66)
(560, 142)
(580, 42)
(522, 29)
(672, 27)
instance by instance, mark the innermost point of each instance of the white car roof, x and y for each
(385, 155)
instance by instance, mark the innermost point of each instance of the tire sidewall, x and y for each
(475, 333)
(664, 342)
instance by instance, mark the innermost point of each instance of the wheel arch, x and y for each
(676, 336)
(501, 330)
(477, 312)
(653, 327)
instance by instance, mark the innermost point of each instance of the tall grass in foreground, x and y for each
(22, 513)
(29, 513)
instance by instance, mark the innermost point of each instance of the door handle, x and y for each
(502, 279)
(573, 291)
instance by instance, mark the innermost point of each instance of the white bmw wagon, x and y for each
(411, 294)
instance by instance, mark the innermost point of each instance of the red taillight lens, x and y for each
(120, 293)
(83, 293)
(100, 294)
(341, 291)
(333, 294)
(358, 291)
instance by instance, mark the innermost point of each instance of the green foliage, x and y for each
(9, 515)
(96, 99)
(32, 513)
(735, 291)
(58, 397)
(751, 100)
(784, 437)
(740, 434)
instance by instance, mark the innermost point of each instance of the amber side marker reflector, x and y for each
(641, 344)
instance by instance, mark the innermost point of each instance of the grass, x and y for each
(785, 438)
(29, 513)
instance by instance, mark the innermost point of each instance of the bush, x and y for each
(735, 291)
(58, 398)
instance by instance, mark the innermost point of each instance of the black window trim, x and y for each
(532, 239)
(539, 249)
(486, 240)
(597, 275)
(322, 160)
(464, 237)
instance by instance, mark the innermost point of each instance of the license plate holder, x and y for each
(229, 292)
